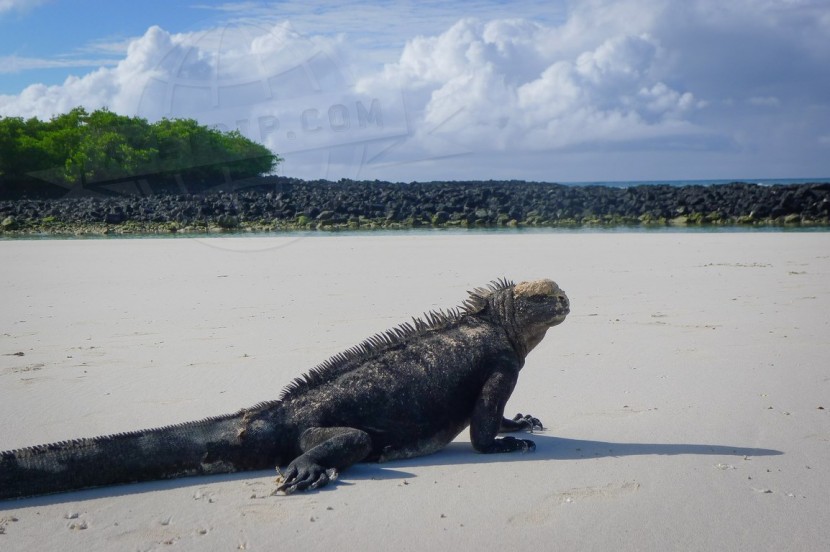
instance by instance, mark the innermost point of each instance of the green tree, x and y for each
(82, 148)
(184, 145)
(12, 134)
(112, 147)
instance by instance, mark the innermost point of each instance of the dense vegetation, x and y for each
(92, 150)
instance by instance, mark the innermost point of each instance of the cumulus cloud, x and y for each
(623, 75)
(217, 66)
(501, 85)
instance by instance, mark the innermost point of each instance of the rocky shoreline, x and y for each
(278, 204)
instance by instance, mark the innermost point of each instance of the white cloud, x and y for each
(622, 59)
(668, 103)
(15, 64)
(197, 64)
(765, 101)
(500, 85)
(19, 5)
(113, 46)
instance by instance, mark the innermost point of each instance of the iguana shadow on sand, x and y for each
(403, 393)
(456, 453)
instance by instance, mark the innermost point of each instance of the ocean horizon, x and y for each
(698, 182)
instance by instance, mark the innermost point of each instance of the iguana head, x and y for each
(537, 306)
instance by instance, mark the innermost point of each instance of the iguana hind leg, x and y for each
(326, 452)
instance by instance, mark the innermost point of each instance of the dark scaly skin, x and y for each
(403, 393)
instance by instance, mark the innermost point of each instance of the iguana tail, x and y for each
(247, 440)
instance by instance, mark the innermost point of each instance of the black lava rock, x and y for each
(279, 202)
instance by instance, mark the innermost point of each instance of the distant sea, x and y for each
(759, 181)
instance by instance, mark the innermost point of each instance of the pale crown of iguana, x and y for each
(403, 393)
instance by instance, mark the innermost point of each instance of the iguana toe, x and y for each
(524, 445)
(306, 476)
(529, 422)
(510, 444)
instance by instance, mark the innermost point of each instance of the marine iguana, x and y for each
(405, 392)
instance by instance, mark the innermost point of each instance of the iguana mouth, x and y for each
(563, 309)
(558, 319)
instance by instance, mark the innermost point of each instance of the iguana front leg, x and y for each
(488, 417)
(520, 422)
(326, 452)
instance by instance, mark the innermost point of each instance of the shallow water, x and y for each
(669, 229)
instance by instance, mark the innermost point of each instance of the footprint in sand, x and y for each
(546, 508)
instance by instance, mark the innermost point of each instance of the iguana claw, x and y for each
(523, 445)
(511, 444)
(529, 422)
(301, 476)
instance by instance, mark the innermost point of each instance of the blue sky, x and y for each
(78, 36)
(403, 90)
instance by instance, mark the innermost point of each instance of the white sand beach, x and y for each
(686, 396)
